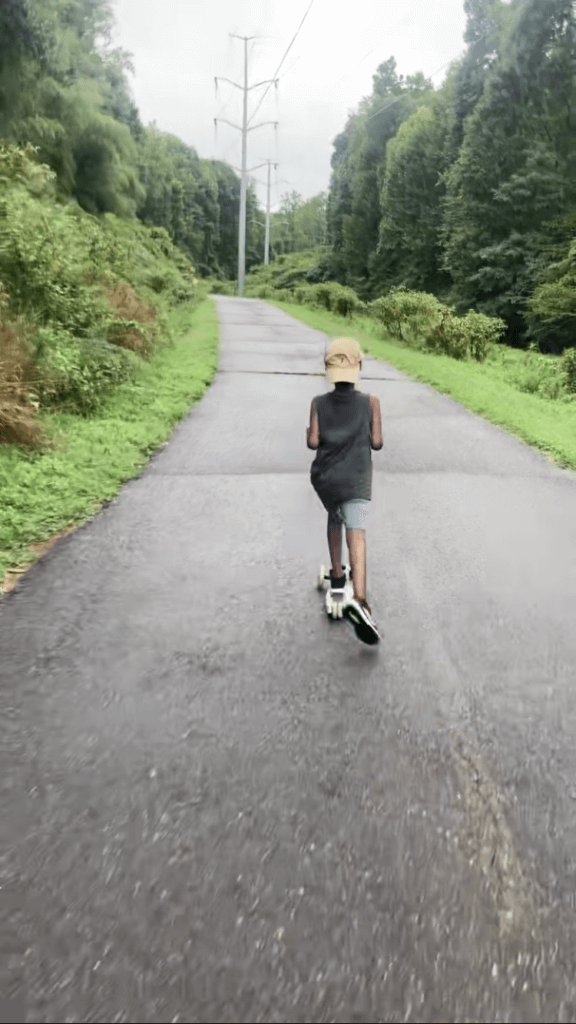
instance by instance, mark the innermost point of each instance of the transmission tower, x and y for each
(244, 171)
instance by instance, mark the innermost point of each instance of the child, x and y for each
(344, 426)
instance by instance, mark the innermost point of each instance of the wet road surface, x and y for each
(217, 805)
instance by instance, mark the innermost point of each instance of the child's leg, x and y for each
(335, 543)
(356, 540)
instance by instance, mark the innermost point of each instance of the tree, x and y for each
(180, 194)
(515, 170)
(484, 30)
(339, 202)
(409, 249)
(64, 99)
(361, 169)
(226, 241)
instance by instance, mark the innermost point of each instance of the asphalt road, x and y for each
(218, 806)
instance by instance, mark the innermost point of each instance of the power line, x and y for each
(401, 21)
(399, 97)
(348, 73)
(292, 66)
(283, 59)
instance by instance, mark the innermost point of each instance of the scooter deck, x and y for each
(335, 599)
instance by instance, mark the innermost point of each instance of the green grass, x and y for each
(491, 389)
(43, 493)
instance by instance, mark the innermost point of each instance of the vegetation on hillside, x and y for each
(83, 299)
(105, 226)
(65, 90)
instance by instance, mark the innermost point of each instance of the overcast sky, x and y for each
(179, 46)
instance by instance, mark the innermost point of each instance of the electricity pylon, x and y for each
(244, 170)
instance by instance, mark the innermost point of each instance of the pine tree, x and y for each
(514, 171)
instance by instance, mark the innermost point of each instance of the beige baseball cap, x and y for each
(342, 360)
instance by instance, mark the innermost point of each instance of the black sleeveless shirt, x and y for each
(342, 469)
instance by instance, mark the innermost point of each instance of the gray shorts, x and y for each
(352, 514)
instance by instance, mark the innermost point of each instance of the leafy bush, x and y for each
(266, 291)
(334, 297)
(483, 332)
(448, 337)
(321, 271)
(346, 302)
(407, 315)
(21, 165)
(18, 397)
(41, 257)
(420, 319)
(304, 295)
(321, 295)
(217, 287)
(79, 376)
(134, 326)
(285, 272)
(568, 367)
(466, 336)
(551, 309)
(127, 250)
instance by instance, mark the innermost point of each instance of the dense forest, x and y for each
(468, 192)
(64, 90)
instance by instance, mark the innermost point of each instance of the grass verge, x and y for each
(548, 425)
(45, 494)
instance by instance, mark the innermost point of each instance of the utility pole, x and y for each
(244, 170)
(267, 242)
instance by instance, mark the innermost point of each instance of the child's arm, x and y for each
(313, 432)
(376, 424)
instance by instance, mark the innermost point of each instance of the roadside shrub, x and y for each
(448, 337)
(334, 297)
(345, 302)
(220, 287)
(145, 257)
(304, 295)
(288, 271)
(420, 319)
(466, 336)
(22, 165)
(292, 269)
(483, 332)
(531, 372)
(568, 369)
(134, 326)
(41, 261)
(529, 383)
(169, 284)
(321, 269)
(19, 403)
(551, 309)
(407, 315)
(79, 374)
(321, 296)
